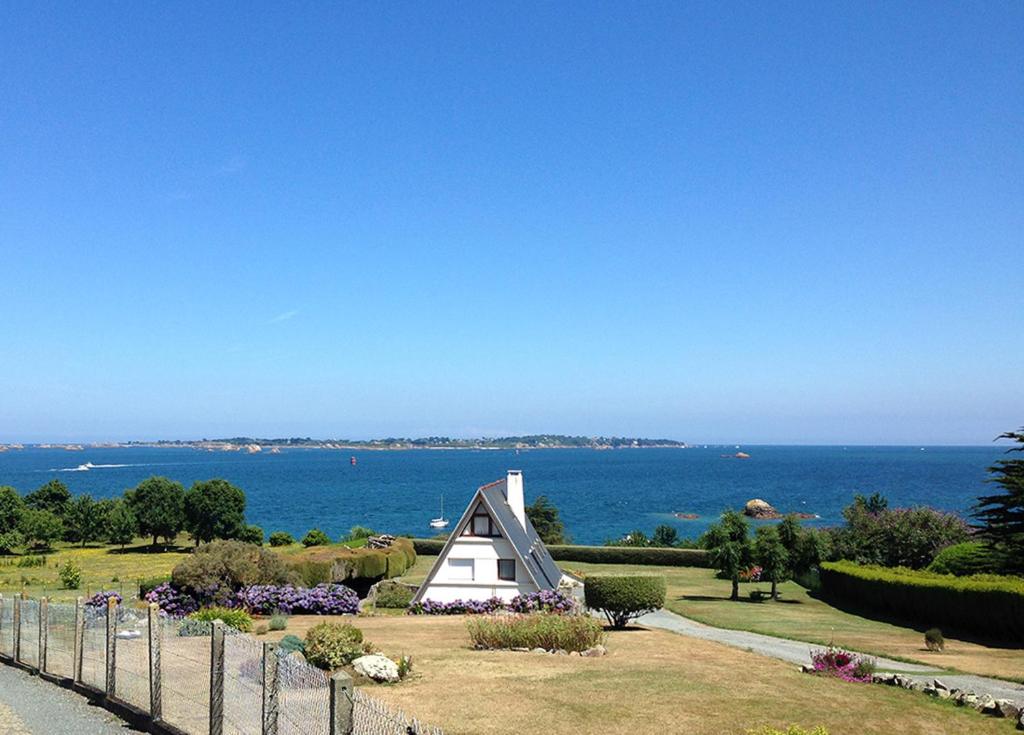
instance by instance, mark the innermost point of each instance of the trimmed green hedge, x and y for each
(646, 556)
(963, 560)
(622, 597)
(987, 605)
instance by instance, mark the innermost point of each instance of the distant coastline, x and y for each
(254, 445)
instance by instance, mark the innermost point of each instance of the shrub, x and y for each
(543, 601)
(332, 645)
(392, 595)
(251, 535)
(987, 605)
(281, 538)
(262, 629)
(963, 560)
(753, 574)
(291, 644)
(324, 599)
(602, 554)
(933, 639)
(457, 607)
(550, 631)
(315, 537)
(99, 600)
(172, 601)
(404, 666)
(70, 575)
(842, 664)
(235, 618)
(312, 573)
(215, 570)
(623, 597)
(191, 628)
(278, 622)
(31, 561)
(359, 532)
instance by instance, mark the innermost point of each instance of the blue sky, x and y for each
(785, 224)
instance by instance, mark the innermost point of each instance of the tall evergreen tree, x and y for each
(544, 517)
(1002, 516)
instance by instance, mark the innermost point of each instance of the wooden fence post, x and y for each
(17, 626)
(156, 707)
(79, 639)
(341, 704)
(111, 645)
(270, 687)
(44, 629)
(1, 616)
(217, 678)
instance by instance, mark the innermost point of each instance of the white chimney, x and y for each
(514, 495)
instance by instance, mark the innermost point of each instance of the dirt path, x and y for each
(32, 706)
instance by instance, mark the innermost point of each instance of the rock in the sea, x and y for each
(760, 509)
(376, 667)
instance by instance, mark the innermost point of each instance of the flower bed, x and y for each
(544, 601)
(99, 600)
(172, 601)
(324, 599)
(842, 664)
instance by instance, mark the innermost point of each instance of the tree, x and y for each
(41, 528)
(1001, 516)
(121, 524)
(729, 547)
(85, 520)
(636, 537)
(12, 508)
(544, 517)
(159, 507)
(771, 555)
(53, 496)
(214, 509)
(664, 536)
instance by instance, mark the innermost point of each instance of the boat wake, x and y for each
(89, 466)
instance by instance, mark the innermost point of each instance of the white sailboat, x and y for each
(440, 521)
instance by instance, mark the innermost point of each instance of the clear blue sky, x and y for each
(791, 223)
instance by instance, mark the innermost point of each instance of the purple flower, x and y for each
(99, 600)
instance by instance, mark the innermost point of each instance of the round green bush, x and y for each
(963, 560)
(251, 535)
(332, 645)
(281, 538)
(623, 597)
(315, 537)
(291, 643)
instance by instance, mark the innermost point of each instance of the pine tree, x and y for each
(1002, 515)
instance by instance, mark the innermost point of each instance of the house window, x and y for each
(481, 524)
(460, 569)
(507, 569)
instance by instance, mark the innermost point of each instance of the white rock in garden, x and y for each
(127, 635)
(539, 650)
(376, 667)
(1008, 708)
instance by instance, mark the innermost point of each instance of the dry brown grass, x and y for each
(651, 682)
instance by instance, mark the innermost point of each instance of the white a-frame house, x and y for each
(493, 551)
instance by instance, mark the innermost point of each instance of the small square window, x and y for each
(460, 569)
(507, 569)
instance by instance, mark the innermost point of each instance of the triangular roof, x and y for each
(526, 543)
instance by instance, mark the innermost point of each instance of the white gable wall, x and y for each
(450, 583)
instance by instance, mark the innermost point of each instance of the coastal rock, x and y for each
(686, 516)
(760, 510)
(376, 667)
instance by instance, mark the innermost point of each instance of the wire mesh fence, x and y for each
(94, 647)
(131, 658)
(185, 674)
(304, 698)
(30, 632)
(60, 639)
(187, 650)
(6, 626)
(372, 717)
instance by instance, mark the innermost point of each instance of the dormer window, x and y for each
(481, 524)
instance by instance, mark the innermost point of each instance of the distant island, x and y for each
(256, 444)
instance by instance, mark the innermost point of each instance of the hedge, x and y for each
(622, 597)
(363, 563)
(986, 605)
(663, 557)
(963, 560)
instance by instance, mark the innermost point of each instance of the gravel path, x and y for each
(797, 652)
(32, 706)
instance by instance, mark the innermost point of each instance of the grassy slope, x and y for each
(651, 682)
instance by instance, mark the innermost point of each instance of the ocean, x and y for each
(601, 494)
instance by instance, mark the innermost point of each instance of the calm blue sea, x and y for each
(601, 494)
